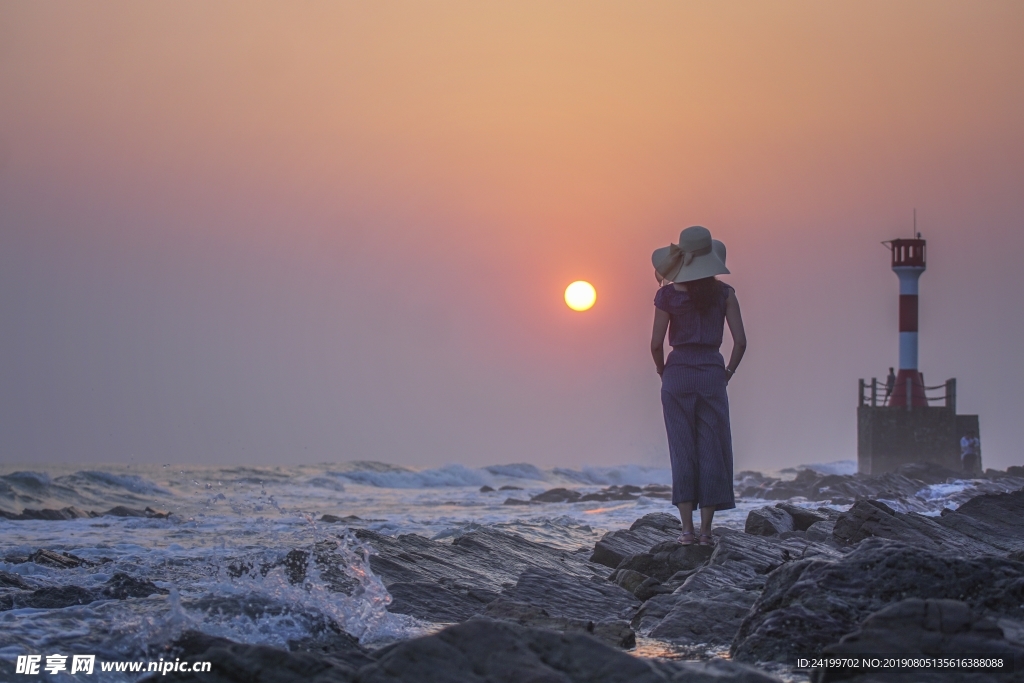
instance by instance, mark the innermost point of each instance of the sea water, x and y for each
(223, 516)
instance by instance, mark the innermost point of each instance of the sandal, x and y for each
(685, 538)
(705, 539)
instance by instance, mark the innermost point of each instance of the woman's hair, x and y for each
(704, 293)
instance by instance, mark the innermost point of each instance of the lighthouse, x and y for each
(901, 421)
(908, 262)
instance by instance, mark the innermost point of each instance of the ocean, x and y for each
(225, 517)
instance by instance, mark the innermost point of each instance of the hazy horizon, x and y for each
(262, 234)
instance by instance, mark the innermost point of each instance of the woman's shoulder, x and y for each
(669, 298)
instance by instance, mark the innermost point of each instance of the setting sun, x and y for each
(580, 295)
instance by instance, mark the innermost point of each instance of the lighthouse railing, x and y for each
(876, 394)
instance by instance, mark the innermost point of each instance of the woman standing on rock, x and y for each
(693, 307)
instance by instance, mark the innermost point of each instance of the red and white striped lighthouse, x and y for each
(908, 262)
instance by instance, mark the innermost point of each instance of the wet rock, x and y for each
(70, 512)
(483, 650)
(510, 488)
(238, 663)
(196, 643)
(562, 595)
(11, 580)
(558, 495)
(996, 520)
(517, 501)
(709, 617)
(49, 558)
(715, 596)
(820, 531)
(486, 489)
(804, 518)
(50, 597)
(658, 520)
(928, 627)
(928, 472)
(616, 633)
(809, 604)
(467, 572)
(630, 580)
(124, 511)
(616, 546)
(477, 651)
(666, 559)
(348, 519)
(450, 604)
(156, 514)
(339, 647)
(872, 518)
(122, 586)
(768, 521)
(610, 493)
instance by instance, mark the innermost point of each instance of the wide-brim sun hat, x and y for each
(693, 258)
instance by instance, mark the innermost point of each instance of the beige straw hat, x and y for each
(694, 258)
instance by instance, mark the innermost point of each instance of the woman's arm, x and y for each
(661, 319)
(739, 337)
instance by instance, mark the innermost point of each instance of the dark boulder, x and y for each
(49, 558)
(486, 489)
(666, 559)
(994, 519)
(70, 512)
(615, 632)
(124, 511)
(768, 521)
(616, 546)
(658, 520)
(927, 628)
(50, 597)
(804, 518)
(445, 582)
(809, 604)
(11, 580)
(558, 495)
(928, 472)
(122, 586)
(347, 519)
(872, 518)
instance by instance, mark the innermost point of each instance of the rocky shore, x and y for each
(802, 580)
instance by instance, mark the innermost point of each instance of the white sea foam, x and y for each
(223, 514)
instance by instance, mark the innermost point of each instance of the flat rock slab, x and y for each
(616, 546)
(615, 632)
(444, 582)
(994, 519)
(562, 595)
(870, 518)
(810, 604)
(478, 651)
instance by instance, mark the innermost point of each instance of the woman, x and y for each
(693, 308)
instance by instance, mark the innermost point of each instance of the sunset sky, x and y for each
(273, 233)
